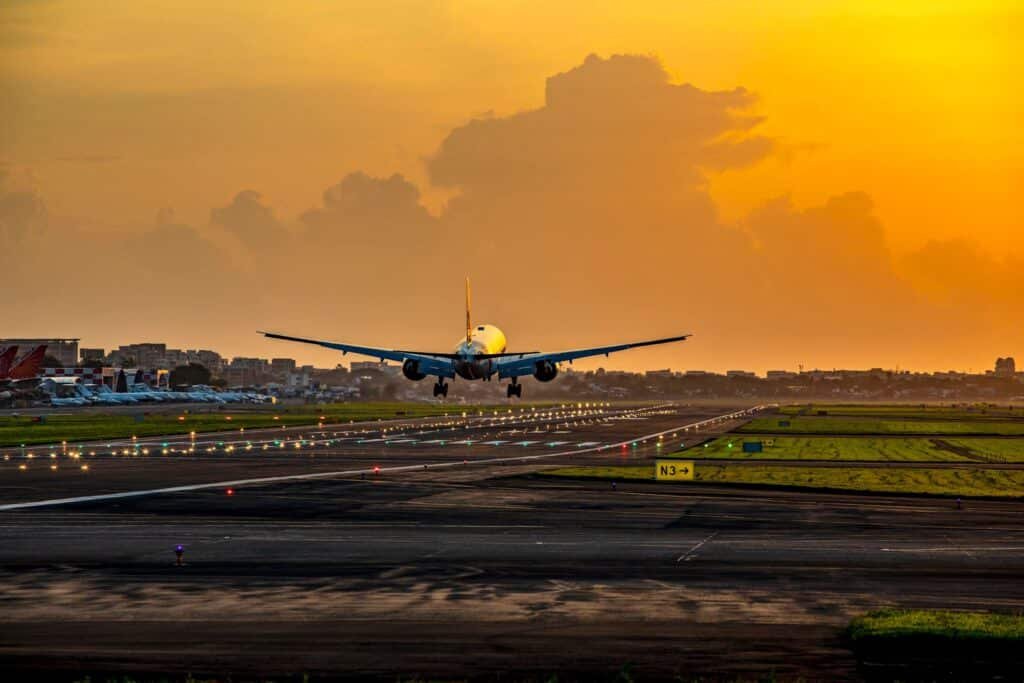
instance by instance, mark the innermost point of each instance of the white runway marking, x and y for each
(688, 555)
(349, 473)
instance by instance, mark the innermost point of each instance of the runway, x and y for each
(328, 440)
(484, 570)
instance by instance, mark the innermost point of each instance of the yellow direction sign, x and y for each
(676, 470)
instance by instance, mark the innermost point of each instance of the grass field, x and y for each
(867, 425)
(966, 482)
(86, 427)
(894, 623)
(862, 448)
(975, 412)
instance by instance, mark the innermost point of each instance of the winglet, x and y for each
(469, 319)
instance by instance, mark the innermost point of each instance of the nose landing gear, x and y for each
(515, 389)
(440, 388)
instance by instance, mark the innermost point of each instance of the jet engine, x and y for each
(545, 371)
(411, 370)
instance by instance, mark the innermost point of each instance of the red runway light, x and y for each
(376, 469)
(230, 492)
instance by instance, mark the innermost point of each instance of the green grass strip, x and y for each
(902, 623)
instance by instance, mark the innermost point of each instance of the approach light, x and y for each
(230, 492)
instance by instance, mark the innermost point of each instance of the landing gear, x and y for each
(440, 388)
(515, 389)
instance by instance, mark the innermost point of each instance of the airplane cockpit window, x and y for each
(480, 329)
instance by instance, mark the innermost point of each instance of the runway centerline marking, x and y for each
(369, 470)
(688, 555)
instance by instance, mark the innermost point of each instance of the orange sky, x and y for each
(116, 111)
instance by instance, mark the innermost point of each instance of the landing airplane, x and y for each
(481, 355)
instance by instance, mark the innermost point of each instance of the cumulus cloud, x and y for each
(249, 219)
(608, 121)
(588, 218)
(361, 209)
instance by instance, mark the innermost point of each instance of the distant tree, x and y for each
(193, 373)
(91, 363)
(389, 392)
(51, 362)
(218, 382)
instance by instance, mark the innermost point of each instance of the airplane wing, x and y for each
(521, 365)
(439, 364)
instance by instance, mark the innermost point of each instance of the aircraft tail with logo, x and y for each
(29, 365)
(7, 360)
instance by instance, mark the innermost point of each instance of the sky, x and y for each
(828, 184)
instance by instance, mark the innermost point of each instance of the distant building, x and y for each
(781, 374)
(298, 380)
(663, 374)
(282, 366)
(91, 354)
(364, 365)
(1006, 367)
(145, 355)
(247, 371)
(740, 373)
(211, 360)
(64, 350)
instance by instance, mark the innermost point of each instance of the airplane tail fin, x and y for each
(6, 360)
(469, 318)
(28, 366)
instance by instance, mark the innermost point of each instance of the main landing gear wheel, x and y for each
(515, 390)
(440, 389)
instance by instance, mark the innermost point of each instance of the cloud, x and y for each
(250, 220)
(588, 219)
(361, 209)
(608, 121)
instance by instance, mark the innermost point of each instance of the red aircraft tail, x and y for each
(6, 360)
(28, 366)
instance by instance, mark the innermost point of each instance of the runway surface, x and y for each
(482, 569)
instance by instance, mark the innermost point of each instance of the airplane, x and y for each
(480, 355)
(27, 368)
(7, 359)
(19, 378)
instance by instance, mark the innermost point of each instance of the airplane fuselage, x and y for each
(483, 340)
